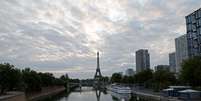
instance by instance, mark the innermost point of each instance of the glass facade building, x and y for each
(142, 60)
(172, 62)
(181, 51)
(193, 26)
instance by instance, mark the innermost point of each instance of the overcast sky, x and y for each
(63, 36)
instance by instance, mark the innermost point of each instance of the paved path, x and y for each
(13, 96)
(152, 95)
(48, 91)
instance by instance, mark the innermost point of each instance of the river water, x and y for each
(88, 94)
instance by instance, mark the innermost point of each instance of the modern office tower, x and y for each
(142, 60)
(129, 72)
(181, 51)
(193, 25)
(162, 67)
(172, 62)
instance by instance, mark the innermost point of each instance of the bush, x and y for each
(191, 72)
(10, 77)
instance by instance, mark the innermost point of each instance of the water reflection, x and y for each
(90, 94)
(87, 94)
(98, 94)
(120, 97)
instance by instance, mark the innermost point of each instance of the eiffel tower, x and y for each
(98, 72)
(98, 75)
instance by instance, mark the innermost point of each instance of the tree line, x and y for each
(189, 75)
(27, 80)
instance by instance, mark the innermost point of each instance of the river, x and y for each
(88, 94)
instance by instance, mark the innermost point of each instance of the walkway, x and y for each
(47, 91)
(150, 94)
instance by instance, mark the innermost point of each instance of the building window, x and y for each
(200, 50)
(199, 32)
(188, 19)
(190, 27)
(193, 19)
(199, 22)
(200, 41)
(199, 13)
(193, 27)
(194, 35)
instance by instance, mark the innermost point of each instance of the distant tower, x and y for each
(172, 62)
(98, 72)
(142, 60)
(181, 54)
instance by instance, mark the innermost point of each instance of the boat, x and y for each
(119, 89)
(120, 97)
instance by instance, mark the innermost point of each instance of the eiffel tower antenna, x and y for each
(98, 72)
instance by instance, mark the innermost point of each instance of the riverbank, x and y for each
(13, 96)
(46, 92)
(148, 94)
(33, 96)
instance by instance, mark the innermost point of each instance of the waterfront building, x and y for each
(172, 62)
(190, 95)
(181, 51)
(142, 60)
(129, 72)
(193, 26)
(173, 91)
(162, 67)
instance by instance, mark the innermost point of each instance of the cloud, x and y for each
(62, 36)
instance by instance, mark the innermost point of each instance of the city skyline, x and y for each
(63, 36)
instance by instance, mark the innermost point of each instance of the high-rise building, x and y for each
(172, 62)
(142, 60)
(193, 25)
(181, 51)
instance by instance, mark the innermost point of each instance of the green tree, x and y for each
(105, 79)
(58, 82)
(162, 79)
(65, 78)
(144, 77)
(128, 79)
(47, 79)
(116, 78)
(74, 80)
(10, 77)
(191, 72)
(31, 79)
(15, 80)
